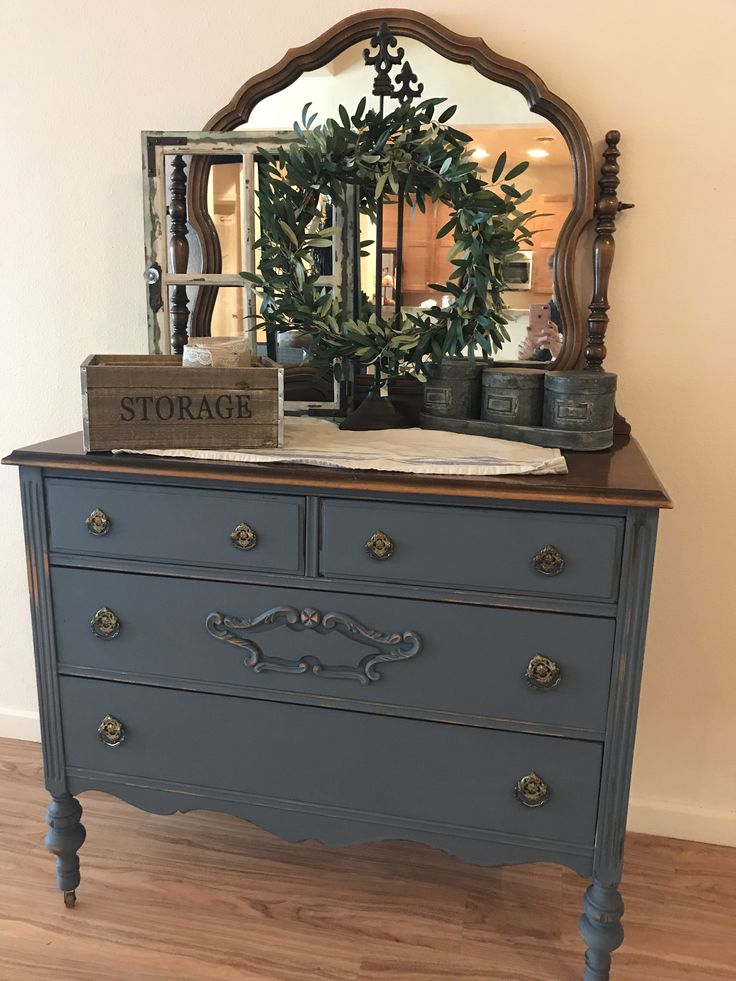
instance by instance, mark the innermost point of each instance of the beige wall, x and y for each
(81, 79)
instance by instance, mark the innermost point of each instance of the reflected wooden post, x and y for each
(606, 209)
(179, 254)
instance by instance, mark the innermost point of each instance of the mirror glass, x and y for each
(204, 233)
(225, 206)
(498, 120)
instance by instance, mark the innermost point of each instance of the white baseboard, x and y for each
(677, 819)
(671, 819)
(19, 724)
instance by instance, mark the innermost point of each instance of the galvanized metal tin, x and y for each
(582, 401)
(453, 389)
(513, 395)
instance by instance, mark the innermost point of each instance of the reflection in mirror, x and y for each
(228, 315)
(497, 119)
(225, 207)
(211, 241)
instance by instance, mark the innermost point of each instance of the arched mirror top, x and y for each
(509, 109)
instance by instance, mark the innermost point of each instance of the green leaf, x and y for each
(498, 167)
(515, 171)
(252, 278)
(344, 116)
(447, 114)
(289, 232)
(358, 117)
(510, 190)
(446, 228)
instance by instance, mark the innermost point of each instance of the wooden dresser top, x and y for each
(619, 476)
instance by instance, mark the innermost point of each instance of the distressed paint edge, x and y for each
(628, 661)
(44, 636)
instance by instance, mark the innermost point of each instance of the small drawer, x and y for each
(173, 524)
(380, 767)
(461, 661)
(496, 551)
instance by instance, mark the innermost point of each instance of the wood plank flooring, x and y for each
(205, 897)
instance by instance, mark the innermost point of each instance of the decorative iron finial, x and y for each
(383, 60)
(404, 81)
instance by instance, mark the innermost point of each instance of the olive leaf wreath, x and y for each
(407, 156)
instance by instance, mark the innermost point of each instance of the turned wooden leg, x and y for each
(65, 837)
(601, 929)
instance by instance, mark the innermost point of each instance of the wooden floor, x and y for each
(204, 897)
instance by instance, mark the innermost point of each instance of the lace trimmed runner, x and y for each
(320, 443)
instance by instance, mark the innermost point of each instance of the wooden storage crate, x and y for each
(150, 401)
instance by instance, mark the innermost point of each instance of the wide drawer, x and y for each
(473, 548)
(394, 768)
(433, 657)
(177, 524)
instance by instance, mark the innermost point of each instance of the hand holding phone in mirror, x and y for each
(542, 333)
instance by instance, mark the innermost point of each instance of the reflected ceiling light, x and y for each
(537, 151)
(479, 153)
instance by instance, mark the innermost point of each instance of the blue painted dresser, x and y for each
(347, 656)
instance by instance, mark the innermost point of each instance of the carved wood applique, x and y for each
(386, 647)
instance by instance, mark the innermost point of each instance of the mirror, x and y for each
(498, 119)
(383, 262)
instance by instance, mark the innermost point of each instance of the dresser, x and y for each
(347, 656)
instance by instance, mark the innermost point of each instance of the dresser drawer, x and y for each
(471, 548)
(385, 767)
(165, 524)
(449, 658)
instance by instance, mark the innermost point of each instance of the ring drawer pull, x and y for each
(244, 537)
(380, 546)
(111, 731)
(532, 791)
(383, 647)
(543, 673)
(549, 561)
(98, 522)
(105, 624)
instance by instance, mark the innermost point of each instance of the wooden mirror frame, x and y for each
(455, 47)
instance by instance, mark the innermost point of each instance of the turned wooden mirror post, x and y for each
(606, 209)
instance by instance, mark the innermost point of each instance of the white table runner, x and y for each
(319, 442)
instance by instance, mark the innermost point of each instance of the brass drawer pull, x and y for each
(244, 537)
(532, 791)
(98, 522)
(380, 546)
(543, 673)
(105, 624)
(111, 731)
(549, 561)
